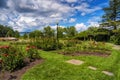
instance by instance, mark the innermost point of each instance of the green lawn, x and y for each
(55, 68)
(4, 42)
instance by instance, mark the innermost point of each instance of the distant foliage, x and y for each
(115, 38)
(47, 44)
(6, 31)
(93, 33)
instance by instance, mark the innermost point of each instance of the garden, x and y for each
(59, 52)
(35, 60)
(62, 55)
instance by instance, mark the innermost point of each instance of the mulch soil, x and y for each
(78, 53)
(16, 75)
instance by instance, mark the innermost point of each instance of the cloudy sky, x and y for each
(29, 15)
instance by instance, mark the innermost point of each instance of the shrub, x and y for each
(11, 58)
(102, 36)
(47, 44)
(32, 53)
(70, 43)
(115, 39)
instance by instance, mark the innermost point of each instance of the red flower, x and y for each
(27, 49)
(28, 46)
(1, 60)
(33, 47)
(6, 55)
(4, 47)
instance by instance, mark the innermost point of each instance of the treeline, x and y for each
(48, 32)
(6, 31)
(100, 34)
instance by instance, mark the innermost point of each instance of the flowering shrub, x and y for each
(11, 58)
(32, 53)
(47, 44)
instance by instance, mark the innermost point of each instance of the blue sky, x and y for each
(29, 15)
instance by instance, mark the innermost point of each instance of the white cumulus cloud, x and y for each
(80, 27)
(72, 20)
(71, 1)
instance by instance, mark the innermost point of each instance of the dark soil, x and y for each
(86, 53)
(16, 75)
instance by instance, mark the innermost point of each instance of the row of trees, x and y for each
(48, 32)
(6, 31)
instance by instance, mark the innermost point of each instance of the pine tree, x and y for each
(112, 13)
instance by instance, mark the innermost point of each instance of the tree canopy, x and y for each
(6, 31)
(112, 13)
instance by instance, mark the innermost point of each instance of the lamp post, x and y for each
(57, 35)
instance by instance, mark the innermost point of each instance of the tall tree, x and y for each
(25, 36)
(48, 32)
(7, 31)
(112, 13)
(17, 34)
(36, 34)
(60, 32)
(70, 31)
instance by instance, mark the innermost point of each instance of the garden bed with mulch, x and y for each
(78, 53)
(16, 75)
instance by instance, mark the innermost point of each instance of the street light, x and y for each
(57, 35)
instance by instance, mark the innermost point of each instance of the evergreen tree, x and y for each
(112, 13)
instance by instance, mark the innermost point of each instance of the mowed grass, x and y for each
(55, 67)
(4, 42)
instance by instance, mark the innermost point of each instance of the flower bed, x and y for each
(13, 57)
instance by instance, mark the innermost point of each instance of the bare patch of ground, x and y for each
(117, 47)
(75, 62)
(86, 53)
(16, 75)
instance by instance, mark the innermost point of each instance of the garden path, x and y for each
(79, 62)
(117, 47)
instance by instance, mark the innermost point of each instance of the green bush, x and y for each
(71, 43)
(102, 36)
(11, 58)
(32, 53)
(115, 39)
(47, 44)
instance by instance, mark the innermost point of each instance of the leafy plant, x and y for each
(32, 53)
(47, 44)
(116, 38)
(11, 58)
